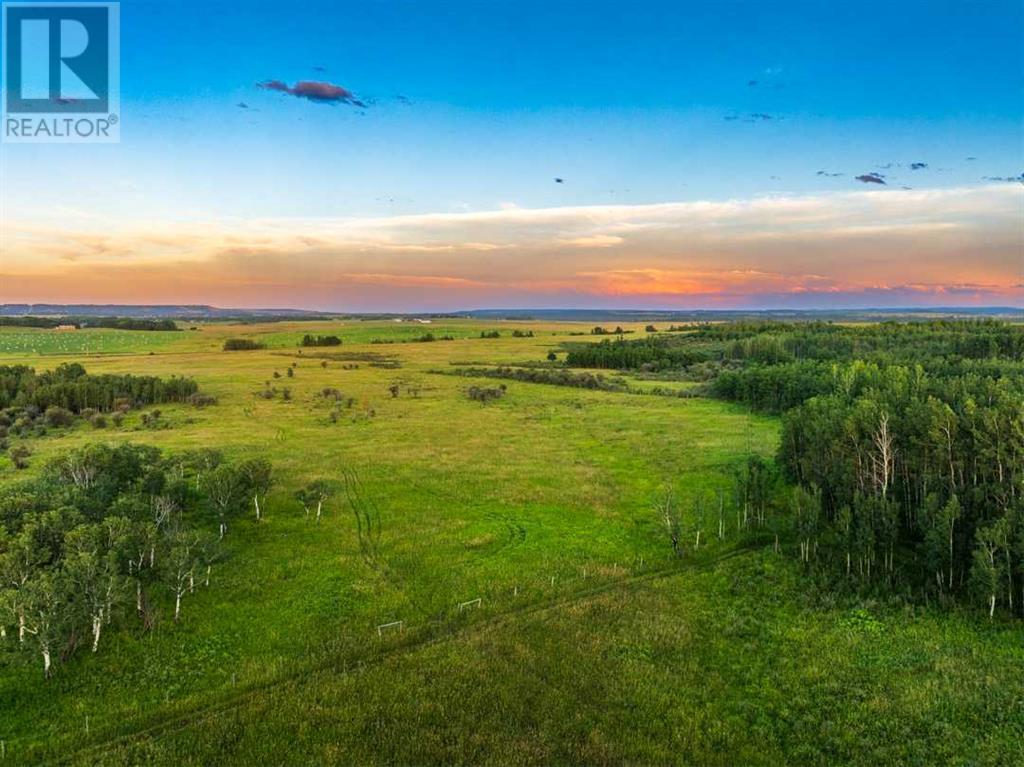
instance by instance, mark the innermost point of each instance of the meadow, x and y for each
(543, 616)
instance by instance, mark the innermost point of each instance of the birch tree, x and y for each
(258, 476)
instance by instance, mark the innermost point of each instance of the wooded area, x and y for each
(905, 443)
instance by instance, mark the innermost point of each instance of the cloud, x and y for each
(871, 178)
(918, 165)
(318, 92)
(752, 117)
(594, 241)
(826, 173)
(857, 247)
(1009, 179)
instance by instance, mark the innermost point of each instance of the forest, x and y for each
(903, 444)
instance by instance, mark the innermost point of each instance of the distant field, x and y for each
(590, 643)
(38, 341)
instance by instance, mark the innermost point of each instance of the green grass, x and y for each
(45, 342)
(540, 505)
(673, 670)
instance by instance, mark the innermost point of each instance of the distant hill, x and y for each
(700, 315)
(182, 311)
(204, 312)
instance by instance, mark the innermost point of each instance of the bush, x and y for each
(58, 417)
(19, 457)
(485, 394)
(242, 345)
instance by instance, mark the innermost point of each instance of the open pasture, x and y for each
(590, 642)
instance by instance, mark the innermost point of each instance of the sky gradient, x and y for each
(430, 156)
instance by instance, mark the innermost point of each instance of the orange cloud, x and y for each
(958, 245)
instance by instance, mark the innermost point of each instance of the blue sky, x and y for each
(479, 106)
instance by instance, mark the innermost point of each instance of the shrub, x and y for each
(242, 345)
(485, 394)
(19, 457)
(58, 417)
(152, 420)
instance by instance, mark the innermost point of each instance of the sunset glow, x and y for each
(769, 180)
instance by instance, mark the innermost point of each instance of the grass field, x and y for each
(590, 642)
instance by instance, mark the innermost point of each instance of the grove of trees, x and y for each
(110, 534)
(311, 340)
(70, 387)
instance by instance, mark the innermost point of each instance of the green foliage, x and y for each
(651, 353)
(99, 527)
(545, 376)
(313, 340)
(71, 388)
(485, 394)
(242, 345)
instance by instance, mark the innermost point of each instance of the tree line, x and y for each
(70, 387)
(116, 323)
